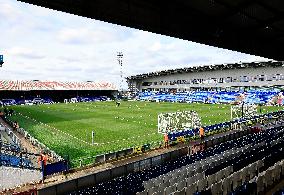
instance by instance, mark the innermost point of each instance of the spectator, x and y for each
(201, 133)
(14, 125)
(43, 158)
(166, 140)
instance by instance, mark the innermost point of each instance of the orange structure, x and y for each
(201, 133)
(166, 140)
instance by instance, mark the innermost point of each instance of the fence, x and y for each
(116, 155)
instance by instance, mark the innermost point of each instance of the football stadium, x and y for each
(210, 129)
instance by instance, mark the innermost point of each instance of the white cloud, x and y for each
(21, 52)
(8, 11)
(87, 35)
(73, 36)
(155, 47)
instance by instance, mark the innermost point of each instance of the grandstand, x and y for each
(10, 177)
(223, 77)
(251, 96)
(258, 82)
(53, 85)
(16, 166)
(55, 90)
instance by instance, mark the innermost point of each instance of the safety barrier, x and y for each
(56, 167)
(88, 180)
(118, 154)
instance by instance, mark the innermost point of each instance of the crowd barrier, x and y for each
(102, 158)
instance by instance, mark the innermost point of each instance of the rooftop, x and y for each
(207, 68)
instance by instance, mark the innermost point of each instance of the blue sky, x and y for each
(39, 43)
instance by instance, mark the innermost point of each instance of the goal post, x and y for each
(243, 110)
(180, 120)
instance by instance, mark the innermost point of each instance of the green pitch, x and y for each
(130, 124)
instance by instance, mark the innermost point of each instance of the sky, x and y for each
(43, 44)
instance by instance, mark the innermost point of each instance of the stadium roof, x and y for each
(249, 26)
(53, 85)
(207, 68)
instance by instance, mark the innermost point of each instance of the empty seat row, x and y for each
(268, 177)
(186, 171)
(215, 160)
(14, 161)
(179, 174)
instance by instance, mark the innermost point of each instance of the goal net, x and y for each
(243, 110)
(174, 121)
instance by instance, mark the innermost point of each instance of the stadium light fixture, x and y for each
(1, 60)
(119, 59)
